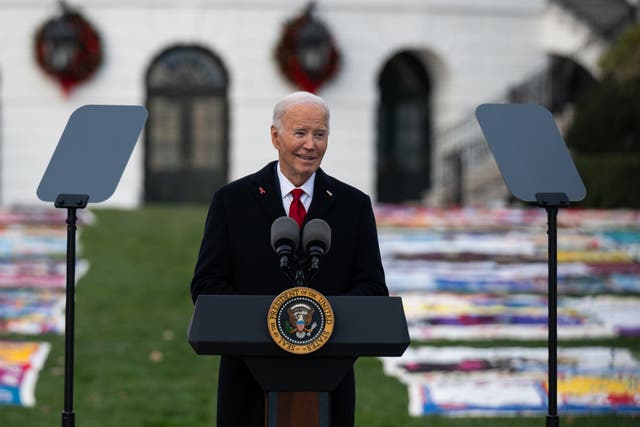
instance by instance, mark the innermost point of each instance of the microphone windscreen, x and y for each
(317, 231)
(285, 228)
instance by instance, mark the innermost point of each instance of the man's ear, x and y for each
(274, 137)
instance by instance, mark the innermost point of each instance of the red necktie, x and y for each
(297, 210)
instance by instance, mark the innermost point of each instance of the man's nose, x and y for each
(309, 143)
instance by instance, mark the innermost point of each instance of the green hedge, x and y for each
(612, 180)
(607, 120)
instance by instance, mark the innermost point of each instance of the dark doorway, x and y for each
(186, 137)
(404, 130)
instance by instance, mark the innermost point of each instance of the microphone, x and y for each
(285, 238)
(316, 240)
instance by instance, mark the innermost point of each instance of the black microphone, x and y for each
(316, 240)
(285, 238)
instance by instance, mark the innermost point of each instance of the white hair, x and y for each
(296, 98)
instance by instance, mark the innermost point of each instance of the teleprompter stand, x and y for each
(537, 167)
(86, 167)
(70, 202)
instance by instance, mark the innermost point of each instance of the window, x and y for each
(187, 131)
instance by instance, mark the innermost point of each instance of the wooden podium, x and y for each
(364, 326)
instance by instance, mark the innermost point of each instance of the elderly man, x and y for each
(236, 256)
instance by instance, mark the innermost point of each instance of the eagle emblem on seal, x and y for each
(300, 320)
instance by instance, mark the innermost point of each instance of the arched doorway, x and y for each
(186, 137)
(404, 130)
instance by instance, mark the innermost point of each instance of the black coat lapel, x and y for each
(323, 196)
(267, 190)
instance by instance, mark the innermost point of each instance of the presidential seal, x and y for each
(300, 320)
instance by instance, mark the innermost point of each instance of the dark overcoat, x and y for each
(236, 257)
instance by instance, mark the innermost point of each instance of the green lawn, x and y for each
(134, 367)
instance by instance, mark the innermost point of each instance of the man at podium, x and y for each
(236, 255)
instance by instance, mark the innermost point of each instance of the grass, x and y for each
(134, 367)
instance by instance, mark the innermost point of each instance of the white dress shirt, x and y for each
(286, 186)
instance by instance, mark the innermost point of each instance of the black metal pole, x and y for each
(299, 280)
(68, 417)
(552, 231)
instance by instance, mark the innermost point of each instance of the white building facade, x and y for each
(468, 50)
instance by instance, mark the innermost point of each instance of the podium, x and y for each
(364, 326)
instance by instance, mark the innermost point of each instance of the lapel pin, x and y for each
(262, 190)
(330, 193)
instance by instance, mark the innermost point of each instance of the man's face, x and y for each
(301, 141)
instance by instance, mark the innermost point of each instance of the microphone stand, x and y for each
(299, 279)
(311, 265)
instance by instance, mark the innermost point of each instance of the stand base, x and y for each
(68, 419)
(553, 421)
